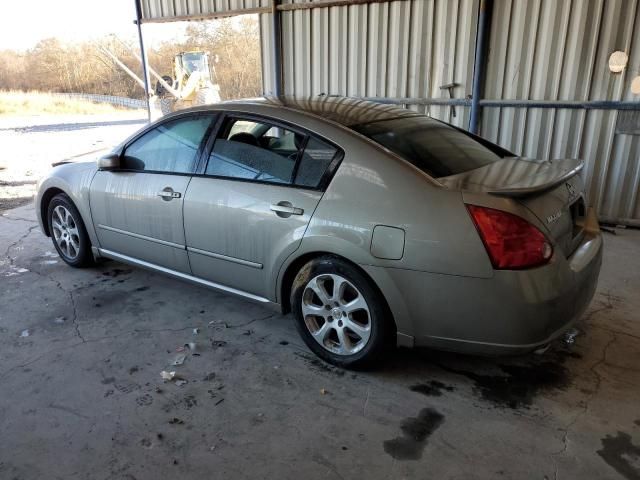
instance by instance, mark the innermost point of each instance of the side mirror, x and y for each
(110, 161)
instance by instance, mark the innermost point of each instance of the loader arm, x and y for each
(117, 61)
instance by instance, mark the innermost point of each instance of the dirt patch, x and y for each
(319, 366)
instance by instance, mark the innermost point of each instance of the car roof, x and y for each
(343, 110)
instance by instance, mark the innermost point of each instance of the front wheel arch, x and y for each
(83, 249)
(47, 196)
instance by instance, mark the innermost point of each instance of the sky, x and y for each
(24, 23)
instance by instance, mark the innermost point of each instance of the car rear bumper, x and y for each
(512, 312)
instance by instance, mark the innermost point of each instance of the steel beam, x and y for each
(557, 104)
(207, 16)
(276, 48)
(327, 3)
(480, 62)
(143, 55)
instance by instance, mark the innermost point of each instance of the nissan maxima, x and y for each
(374, 225)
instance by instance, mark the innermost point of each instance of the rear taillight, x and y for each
(511, 242)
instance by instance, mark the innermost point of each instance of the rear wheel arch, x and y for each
(294, 267)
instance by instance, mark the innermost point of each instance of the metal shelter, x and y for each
(531, 75)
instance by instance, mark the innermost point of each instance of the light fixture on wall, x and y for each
(617, 61)
(635, 86)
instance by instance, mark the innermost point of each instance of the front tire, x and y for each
(340, 314)
(68, 232)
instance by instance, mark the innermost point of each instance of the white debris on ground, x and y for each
(8, 270)
(30, 144)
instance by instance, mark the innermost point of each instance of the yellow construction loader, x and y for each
(190, 85)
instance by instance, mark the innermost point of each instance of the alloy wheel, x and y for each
(65, 232)
(336, 314)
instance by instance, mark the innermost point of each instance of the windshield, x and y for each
(434, 147)
(194, 62)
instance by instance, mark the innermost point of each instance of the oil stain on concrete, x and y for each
(415, 434)
(622, 455)
(433, 388)
(519, 384)
(116, 272)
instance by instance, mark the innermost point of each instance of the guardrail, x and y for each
(125, 102)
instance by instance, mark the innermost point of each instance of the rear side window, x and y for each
(265, 152)
(435, 148)
(255, 151)
(170, 147)
(315, 160)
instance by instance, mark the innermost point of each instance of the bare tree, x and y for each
(233, 45)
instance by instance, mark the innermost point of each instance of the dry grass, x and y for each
(36, 103)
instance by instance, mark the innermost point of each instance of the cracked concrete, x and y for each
(82, 395)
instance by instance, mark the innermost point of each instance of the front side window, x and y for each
(170, 147)
(435, 148)
(254, 150)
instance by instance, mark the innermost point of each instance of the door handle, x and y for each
(168, 194)
(286, 209)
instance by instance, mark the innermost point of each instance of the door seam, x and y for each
(184, 231)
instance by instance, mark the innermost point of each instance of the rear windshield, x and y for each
(435, 148)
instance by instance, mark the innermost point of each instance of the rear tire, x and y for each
(340, 314)
(68, 232)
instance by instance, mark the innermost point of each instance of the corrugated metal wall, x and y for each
(567, 45)
(539, 50)
(406, 48)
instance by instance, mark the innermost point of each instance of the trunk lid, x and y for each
(551, 190)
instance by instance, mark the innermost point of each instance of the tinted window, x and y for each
(170, 147)
(255, 151)
(433, 147)
(314, 161)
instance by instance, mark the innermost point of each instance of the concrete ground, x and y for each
(30, 144)
(81, 353)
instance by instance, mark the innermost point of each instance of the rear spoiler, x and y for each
(541, 182)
